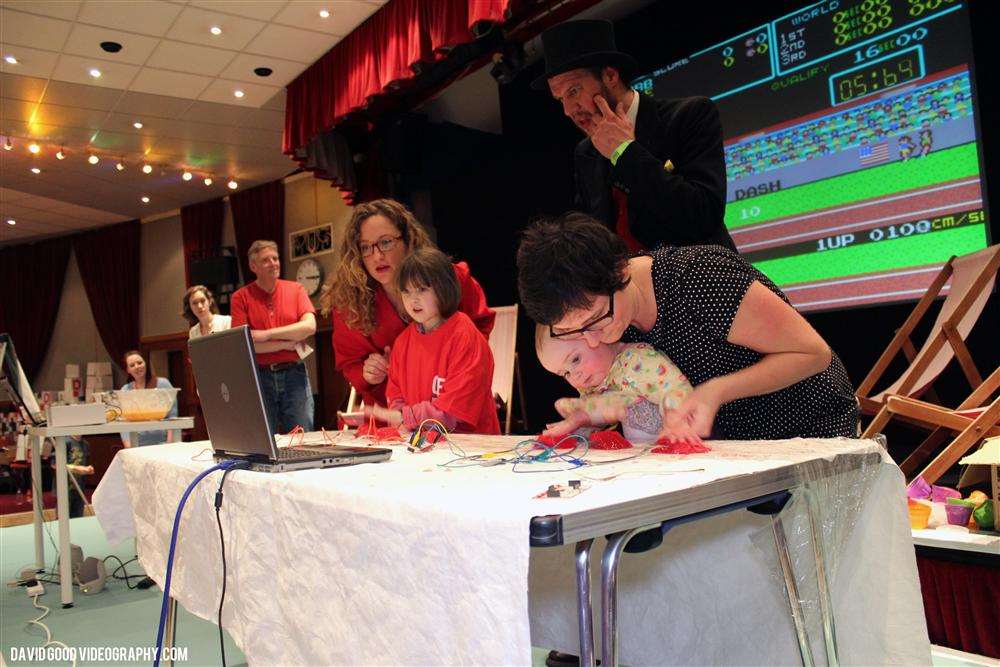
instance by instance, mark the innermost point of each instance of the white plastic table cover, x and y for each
(410, 563)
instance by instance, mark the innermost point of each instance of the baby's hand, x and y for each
(566, 426)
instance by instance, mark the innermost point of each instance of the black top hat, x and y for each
(577, 44)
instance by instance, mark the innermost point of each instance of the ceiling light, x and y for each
(137, 125)
(215, 30)
(93, 159)
(187, 176)
(94, 72)
(34, 148)
(120, 166)
(238, 94)
(207, 181)
(36, 170)
(11, 59)
(60, 155)
(11, 221)
(147, 169)
(232, 184)
(145, 199)
(324, 14)
(7, 144)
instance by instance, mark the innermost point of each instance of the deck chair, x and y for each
(506, 369)
(972, 278)
(976, 418)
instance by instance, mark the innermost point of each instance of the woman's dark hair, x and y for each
(564, 262)
(150, 373)
(188, 313)
(429, 267)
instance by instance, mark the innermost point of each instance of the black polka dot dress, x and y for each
(698, 291)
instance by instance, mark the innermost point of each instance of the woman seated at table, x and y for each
(758, 369)
(367, 309)
(202, 313)
(143, 377)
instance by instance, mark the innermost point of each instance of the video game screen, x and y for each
(852, 156)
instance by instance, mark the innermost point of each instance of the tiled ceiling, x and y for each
(172, 75)
(38, 217)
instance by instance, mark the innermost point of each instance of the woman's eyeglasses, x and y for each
(596, 324)
(384, 244)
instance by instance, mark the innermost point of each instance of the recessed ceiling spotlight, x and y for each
(215, 30)
(147, 169)
(36, 170)
(232, 184)
(11, 221)
(94, 72)
(137, 125)
(145, 199)
(93, 159)
(111, 47)
(238, 94)
(60, 155)
(263, 71)
(7, 144)
(324, 14)
(120, 165)
(187, 176)
(11, 59)
(207, 181)
(34, 148)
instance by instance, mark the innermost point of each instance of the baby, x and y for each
(631, 383)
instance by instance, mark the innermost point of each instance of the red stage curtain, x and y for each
(32, 275)
(962, 604)
(258, 214)
(109, 267)
(378, 54)
(201, 229)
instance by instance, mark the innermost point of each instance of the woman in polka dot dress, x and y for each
(759, 370)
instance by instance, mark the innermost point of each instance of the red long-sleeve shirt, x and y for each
(351, 347)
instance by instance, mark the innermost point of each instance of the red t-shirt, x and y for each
(452, 367)
(351, 347)
(285, 305)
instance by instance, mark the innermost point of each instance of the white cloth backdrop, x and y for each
(408, 563)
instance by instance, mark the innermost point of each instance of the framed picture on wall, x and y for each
(311, 242)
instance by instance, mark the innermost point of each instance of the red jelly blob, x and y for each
(664, 446)
(608, 440)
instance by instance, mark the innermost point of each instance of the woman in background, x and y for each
(143, 377)
(202, 313)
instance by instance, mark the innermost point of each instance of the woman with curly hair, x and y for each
(367, 309)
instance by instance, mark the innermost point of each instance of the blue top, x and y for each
(144, 438)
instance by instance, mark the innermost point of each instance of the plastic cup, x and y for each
(958, 515)
(920, 513)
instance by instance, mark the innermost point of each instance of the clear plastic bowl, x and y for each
(141, 405)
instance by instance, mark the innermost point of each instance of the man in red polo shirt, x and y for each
(280, 315)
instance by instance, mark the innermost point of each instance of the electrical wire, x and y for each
(123, 567)
(222, 544)
(48, 633)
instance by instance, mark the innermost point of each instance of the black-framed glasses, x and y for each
(385, 244)
(596, 324)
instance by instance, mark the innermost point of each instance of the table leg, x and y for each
(37, 506)
(792, 590)
(609, 594)
(823, 583)
(170, 628)
(584, 605)
(62, 509)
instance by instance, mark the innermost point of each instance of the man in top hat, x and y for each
(653, 170)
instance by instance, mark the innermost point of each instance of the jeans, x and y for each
(288, 398)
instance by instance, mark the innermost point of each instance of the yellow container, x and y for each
(920, 514)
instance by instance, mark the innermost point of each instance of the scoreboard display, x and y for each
(853, 162)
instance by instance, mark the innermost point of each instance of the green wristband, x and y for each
(617, 153)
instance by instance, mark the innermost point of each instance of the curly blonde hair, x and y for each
(350, 289)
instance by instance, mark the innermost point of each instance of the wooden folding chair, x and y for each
(971, 279)
(506, 368)
(973, 420)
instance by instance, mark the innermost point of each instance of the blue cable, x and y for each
(224, 465)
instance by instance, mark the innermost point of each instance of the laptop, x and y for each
(226, 371)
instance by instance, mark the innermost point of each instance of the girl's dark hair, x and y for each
(188, 313)
(429, 267)
(564, 262)
(150, 373)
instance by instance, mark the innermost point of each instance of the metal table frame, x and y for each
(766, 492)
(37, 435)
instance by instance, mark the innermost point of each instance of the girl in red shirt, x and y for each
(365, 305)
(441, 366)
